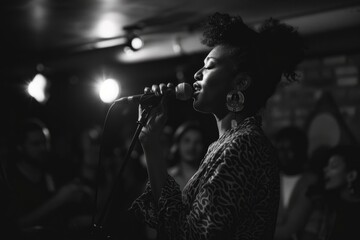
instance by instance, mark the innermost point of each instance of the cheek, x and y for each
(335, 180)
(182, 148)
(31, 151)
(211, 100)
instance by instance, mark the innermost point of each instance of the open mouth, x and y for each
(195, 94)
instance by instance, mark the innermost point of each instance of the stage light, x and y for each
(108, 26)
(136, 43)
(109, 90)
(37, 88)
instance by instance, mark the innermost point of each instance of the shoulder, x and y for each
(249, 151)
(252, 143)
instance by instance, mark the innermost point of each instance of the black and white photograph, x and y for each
(180, 120)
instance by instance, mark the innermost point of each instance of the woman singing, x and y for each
(235, 192)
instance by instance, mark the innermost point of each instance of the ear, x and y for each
(242, 81)
(351, 176)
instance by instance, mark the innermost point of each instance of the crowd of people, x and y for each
(177, 185)
(41, 202)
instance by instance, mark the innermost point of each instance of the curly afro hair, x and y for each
(223, 29)
(284, 44)
(277, 41)
(269, 53)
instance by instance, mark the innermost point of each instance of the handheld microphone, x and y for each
(183, 92)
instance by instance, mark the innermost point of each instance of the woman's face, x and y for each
(214, 81)
(335, 173)
(191, 146)
(37, 146)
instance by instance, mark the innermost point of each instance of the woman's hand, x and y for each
(150, 136)
(157, 118)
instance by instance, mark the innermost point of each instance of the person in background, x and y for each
(41, 208)
(235, 192)
(101, 158)
(295, 207)
(187, 151)
(8, 227)
(336, 197)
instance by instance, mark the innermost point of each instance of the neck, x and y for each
(187, 168)
(224, 124)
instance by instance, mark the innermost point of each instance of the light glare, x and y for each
(109, 90)
(107, 26)
(36, 88)
(136, 43)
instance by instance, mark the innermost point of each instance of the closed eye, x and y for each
(208, 66)
(209, 63)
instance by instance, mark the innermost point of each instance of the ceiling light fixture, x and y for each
(135, 43)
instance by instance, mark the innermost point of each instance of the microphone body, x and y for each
(183, 91)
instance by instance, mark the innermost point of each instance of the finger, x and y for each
(164, 104)
(147, 90)
(163, 88)
(171, 87)
(155, 89)
(139, 112)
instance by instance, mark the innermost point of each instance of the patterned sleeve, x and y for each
(219, 207)
(145, 207)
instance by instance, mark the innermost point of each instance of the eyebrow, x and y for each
(209, 58)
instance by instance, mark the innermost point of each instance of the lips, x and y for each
(196, 87)
(195, 94)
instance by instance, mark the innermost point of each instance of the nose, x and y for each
(198, 75)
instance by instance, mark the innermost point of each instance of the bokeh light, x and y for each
(37, 88)
(136, 43)
(108, 90)
(108, 26)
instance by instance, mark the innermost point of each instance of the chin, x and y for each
(197, 107)
(201, 107)
(329, 186)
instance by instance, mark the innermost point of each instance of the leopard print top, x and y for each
(233, 195)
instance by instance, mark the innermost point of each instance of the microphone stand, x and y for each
(98, 229)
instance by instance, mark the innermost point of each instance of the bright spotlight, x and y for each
(37, 88)
(108, 26)
(108, 90)
(136, 43)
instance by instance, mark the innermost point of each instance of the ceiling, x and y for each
(64, 38)
(46, 30)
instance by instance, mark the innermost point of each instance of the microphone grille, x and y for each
(184, 91)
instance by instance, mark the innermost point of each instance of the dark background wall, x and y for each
(331, 66)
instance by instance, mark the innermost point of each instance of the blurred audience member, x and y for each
(104, 155)
(166, 140)
(186, 152)
(8, 226)
(40, 207)
(336, 197)
(295, 207)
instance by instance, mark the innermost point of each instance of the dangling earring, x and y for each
(351, 189)
(350, 181)
(235, 103)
